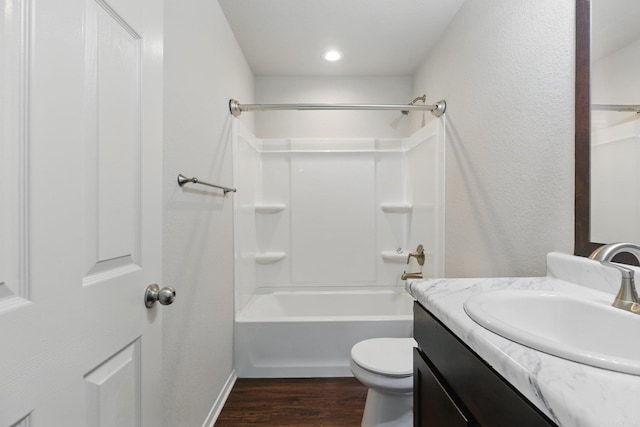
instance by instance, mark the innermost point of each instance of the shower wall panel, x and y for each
(333, 218)
(336, 212)
(425, 184)
(246, 172)
(273, 226)
(391, 227)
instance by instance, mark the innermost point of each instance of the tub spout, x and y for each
(406, 275)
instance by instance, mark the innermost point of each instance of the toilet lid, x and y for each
(387, 356)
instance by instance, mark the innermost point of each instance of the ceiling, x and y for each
(377, 37)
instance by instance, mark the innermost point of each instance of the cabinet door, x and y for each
(488, 397)
(433, 406)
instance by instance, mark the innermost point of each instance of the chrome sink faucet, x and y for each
(627, 298)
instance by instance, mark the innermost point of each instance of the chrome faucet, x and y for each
(627, 298)
(419, 256)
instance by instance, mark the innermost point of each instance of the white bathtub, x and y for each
(310, 333)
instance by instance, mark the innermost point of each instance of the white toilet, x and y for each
(385, 365)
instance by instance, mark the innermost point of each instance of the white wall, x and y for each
(339, 124)
(506, 69)
(204, 67)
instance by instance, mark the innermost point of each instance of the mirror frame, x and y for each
(582, 224)
(583, 246)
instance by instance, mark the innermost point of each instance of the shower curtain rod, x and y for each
(436, 109)
(616, 107)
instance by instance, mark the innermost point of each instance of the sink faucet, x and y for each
(627, 298)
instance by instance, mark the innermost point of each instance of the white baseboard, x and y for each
(214, 413)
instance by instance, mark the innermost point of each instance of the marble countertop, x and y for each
(571, 394)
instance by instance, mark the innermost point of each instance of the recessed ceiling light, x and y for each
(332, 55)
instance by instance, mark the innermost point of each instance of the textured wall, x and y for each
(506, 69)
(204, 67)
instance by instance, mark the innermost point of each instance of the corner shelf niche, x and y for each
(269, 208)
(402, 208)
(270, 257)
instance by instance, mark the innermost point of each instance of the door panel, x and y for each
(80, 212)
(113, 142)
(113, 390)
(13, 195)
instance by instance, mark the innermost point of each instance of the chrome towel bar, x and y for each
(182, 180)
(616, 107)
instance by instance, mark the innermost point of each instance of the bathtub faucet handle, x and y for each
(406, 275)
(418, 255)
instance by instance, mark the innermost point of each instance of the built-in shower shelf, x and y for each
(270, 208)
(394, 256)
(270, 257)
(396, 207)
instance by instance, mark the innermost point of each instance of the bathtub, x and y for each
(310, 333)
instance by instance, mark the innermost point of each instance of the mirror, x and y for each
(607, 139)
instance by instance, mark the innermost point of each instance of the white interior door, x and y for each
(80, 214)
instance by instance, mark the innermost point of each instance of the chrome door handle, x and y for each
(164, 296)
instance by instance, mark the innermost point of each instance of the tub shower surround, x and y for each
(328, 217)
(570, 394)
(306, 334)
(318, 213)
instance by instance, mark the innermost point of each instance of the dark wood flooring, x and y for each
(308, 402)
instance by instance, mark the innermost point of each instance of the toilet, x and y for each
(385, 365)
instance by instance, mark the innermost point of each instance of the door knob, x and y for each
(164, 296)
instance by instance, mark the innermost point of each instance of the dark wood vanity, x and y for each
(454, 387)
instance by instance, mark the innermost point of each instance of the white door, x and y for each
(80, 213)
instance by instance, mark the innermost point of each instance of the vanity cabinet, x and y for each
(454, 387)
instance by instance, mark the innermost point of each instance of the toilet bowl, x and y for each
(385, 366)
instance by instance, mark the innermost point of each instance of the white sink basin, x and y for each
(582, 330)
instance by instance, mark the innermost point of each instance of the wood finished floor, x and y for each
(313, 402)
